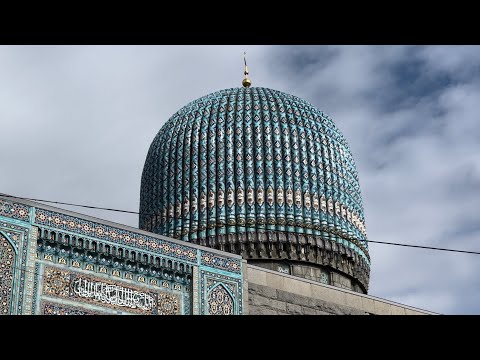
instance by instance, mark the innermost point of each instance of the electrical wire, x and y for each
(253, 226)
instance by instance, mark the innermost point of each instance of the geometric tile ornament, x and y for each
(119, 236)
(57, 309)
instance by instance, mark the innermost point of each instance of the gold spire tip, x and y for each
(246, 81)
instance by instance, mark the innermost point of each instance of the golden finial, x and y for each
(246, 82)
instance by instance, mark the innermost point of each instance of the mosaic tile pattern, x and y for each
(14, 210)
(49, 308)
(30, 272)
(35, 288)
(19, 235)
(7, 263)
(187, 302)
(104, 232)
(220, 301)
(220, 262)
(217, 301)
(167, 304)
(23, 273)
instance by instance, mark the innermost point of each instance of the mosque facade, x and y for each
(53, 261)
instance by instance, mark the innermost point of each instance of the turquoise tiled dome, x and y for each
(245, 160)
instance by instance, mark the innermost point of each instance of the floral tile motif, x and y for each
(120, 236)
(14, 210)
(220, 302)
(220, 294)
(49, 308)
(220, 262)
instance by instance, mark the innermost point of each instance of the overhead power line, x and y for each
(254, 226)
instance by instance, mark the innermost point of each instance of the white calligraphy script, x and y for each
(113, 294)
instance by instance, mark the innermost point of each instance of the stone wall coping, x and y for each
(315, 283)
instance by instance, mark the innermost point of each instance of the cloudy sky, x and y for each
(76, 123)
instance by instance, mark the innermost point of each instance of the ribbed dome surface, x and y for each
(248, 159)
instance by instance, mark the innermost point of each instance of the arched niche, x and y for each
(220, 301)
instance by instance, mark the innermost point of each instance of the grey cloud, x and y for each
(410, 117)
(76, 123)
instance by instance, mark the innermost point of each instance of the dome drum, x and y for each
(313, 251)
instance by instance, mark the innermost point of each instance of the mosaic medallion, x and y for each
(167, 304)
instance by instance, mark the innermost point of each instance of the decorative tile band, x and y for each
(35, 288)
(337, 210)
(49, 308)
(30, 272)
(108, 233)
(220, 262)
(14, 210)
